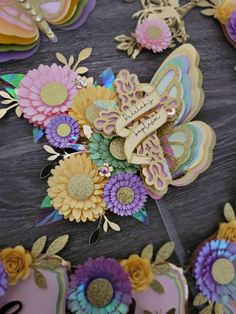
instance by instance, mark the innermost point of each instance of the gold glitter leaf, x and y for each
(50, 263)
(208, 12)
(147, 252)
(114, 226)
(3, 112)
(229, 212)
(157, 286)
(161, 269)
(200, 299)
(61, 58)
(85, 54)
(122, 37)
(123, 46)
(18, 112)
(207, 310)
(38, 246)
(165, 252)
(82, 70)
(219, 308)
(71, 61)
(40, 279)
(57, 245)
(204, 4)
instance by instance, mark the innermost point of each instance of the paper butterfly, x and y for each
(21, 21)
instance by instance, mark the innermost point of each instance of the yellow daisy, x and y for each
(84, 109)
(76, 189)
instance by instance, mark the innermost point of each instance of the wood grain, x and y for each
(195, 210)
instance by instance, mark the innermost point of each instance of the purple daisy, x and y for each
(3, 281)
(231, 27)
(99, 286)
(62, 131)
(215, 271)
(125, 194)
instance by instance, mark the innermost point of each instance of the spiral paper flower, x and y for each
(3, 281)
(76, 189)
(214, 271)
(46, 92)
(99, 286)
(125, 194)
(153, 34)
(62, 131)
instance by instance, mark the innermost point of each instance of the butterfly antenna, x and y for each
(41, 22)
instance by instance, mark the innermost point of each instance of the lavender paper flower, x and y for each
(214, 271)
(125, 194)
(62, 131)
(231, 27)
(3, 281)
(99, 286)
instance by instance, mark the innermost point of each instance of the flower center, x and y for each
(223, 271)
(100, 292)
(125, 195)
(63, 130)
(81, 186)
(154, 32)
(54, 94)
(92, 112)
(117, 148)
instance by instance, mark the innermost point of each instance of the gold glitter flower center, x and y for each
(54, 94)
(81, 186)
(92, 112)
(100, 292)
(117, 148)
(154, 32)
(63, 130)
(125, 195)
(223, 271)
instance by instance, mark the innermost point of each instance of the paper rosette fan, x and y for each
(20, 35)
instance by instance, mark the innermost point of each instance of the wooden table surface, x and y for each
(194, 210)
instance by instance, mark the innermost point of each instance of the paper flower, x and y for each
(62, 131)
(99, 286)
(111, 151)
(84, 108)
(3, 281)
(227, 231)
(125, 194)
(46, 92)
(76, 189)
(153, 34)
(214, 271)
(231, 27)
(16, 262)
(105, 170)
(224, 10)
(140, 272)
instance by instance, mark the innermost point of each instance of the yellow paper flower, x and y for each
(227, 231)
(76, 189)
(224, 10)
(16, 262)
(140, 272)
(84, 109)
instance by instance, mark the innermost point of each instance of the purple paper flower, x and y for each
(3, 281)
(214, 271)
(231, 27)
(62, 131)
(125, 194)
(99, 286)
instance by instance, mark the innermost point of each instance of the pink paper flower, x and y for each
(153, 34)
(46, 92)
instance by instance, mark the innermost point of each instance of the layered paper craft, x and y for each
(113, 141)
(22, 20)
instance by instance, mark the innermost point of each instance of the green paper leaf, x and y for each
(200, 299)
(38, 246)
(165, 252)
(157, 286)
(40, 279)
(46, 203)
(147, 252)
(57, 245)
(229, 212)
(13, 79)
(12, 92)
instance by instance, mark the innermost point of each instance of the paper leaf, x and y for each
(51, 217)
(38, 246)
(114, 226)
(142, 216)
(53, 157)
(219, 308)
(157, 286)
(229, 212)
(204, 4)
(105, 226)
(161, 269)
(84, 54)
(7, 101)
(61, 58)
(207, 310)
(50, 150)
(5, 95)
(208, 12)
(18, 111)
(57, 245)
(95, 236)
(13, 79)
(39, 279)
(71, 61)
(123, 46)
(50, 263)
(3, 112)
(90, 81)
(46, 203)
(122, 37)
(200, 299)
(147, 252)
(38, 133)
(165, 252)
(82, 70)
(11, 92)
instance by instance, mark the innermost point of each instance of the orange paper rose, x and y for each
(140, 272)
(227, 231)
(16, 262)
